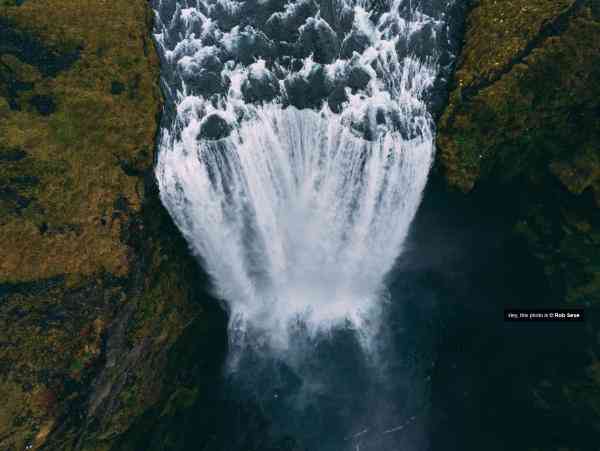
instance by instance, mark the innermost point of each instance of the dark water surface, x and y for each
(449, 374)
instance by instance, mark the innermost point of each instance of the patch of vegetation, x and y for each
(97, 288)
(523, 120)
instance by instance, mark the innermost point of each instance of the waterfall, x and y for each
(297, 149)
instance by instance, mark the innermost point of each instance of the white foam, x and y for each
(294, 215)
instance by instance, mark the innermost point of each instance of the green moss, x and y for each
(534, 125)
(94, 279)
(522, 120)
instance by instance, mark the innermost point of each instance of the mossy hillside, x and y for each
(95, 290)
(536, 125)
(497, 31)
(527, 129)
(75, 148)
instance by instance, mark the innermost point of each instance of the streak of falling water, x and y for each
(297, 206)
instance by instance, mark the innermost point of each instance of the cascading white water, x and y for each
(295, 213)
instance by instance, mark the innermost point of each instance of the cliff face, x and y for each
(524, 113)
(95, 291)
(523, 125)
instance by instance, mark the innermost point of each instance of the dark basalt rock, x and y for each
(211, 62)
(336, 99)
(204, 82)
(166, 9)
(421, 42)
(317, 37)
(252, 44)
(214, 127)
(296, 88)
(283, 26)
(227, 17)
(260, 89)
(296, 64)
(339, 16)
(320, 85)
(356, 41)
(345, 20)
(310, 91)
(358, 78)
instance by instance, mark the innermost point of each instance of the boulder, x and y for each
(336, 99)
(358, 78)
(318, 38)
(284, 26)
(356, 41)
(260, 85)
(214, 127)
(308, 91)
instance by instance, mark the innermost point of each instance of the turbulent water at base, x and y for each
(296, 149)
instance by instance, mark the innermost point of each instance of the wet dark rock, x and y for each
(166, 9)
(227, 17)
(380, 118)
(283, 26)
(336, 99)
(338, 15)
(204, 82)
(251, 44)
(211, 62)
(432, 7)
(423, 42)
(317, 37)
(356, 41)
(214, 127)
(358, 78)
(258, 89)
(296, 88)
(310, 91)
(319, 82)
(345, 21)
(44, 104)
(284, 49)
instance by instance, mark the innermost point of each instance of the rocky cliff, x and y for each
(522, 129)
(98, 296)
